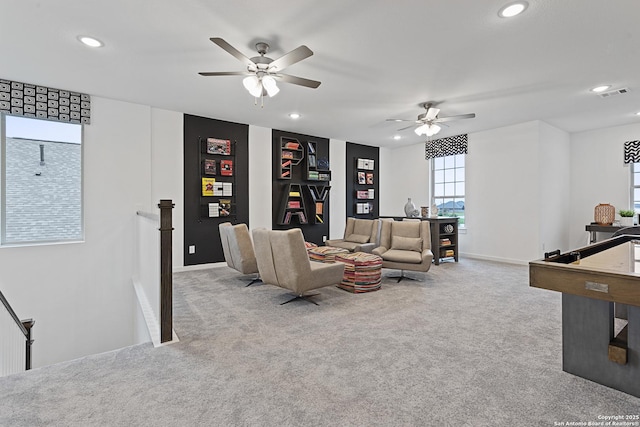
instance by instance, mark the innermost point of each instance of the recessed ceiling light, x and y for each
(397, 137)
(602, 88)
(513, 9)
(638, 113)
(294, 115)
(90, 41)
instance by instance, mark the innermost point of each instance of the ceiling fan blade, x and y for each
(296, 55)
(450, 118)
(226, 73)
(232, 50)
(407, 127)
(399, 120)
(297, 80)
(432, 113)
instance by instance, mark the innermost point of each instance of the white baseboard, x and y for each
(493, 258)
(180, 269)
(153, 326)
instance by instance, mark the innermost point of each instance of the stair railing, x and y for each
(15, 340)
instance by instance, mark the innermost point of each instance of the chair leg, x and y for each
(402, 276)
(256, 280)
(304, 297)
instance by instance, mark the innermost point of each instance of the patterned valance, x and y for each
(446, 146)
(23, 99)
(632, 152)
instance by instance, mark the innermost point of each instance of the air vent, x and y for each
(613, 93)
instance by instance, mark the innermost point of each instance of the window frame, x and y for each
(3, 191)
(433, 197)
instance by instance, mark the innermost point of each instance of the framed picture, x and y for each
(209, 167)
(218, 146)
(370, 178)
(362, 178)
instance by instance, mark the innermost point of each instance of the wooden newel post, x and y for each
(166, 271)
(28, 324)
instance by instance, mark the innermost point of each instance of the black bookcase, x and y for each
(301, 177)
(201, 231)
(363, 181)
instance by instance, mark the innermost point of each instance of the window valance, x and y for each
(632, 151)
(23, 99)
(446, 146)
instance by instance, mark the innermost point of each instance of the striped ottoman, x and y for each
(362, 272)
(325, 253)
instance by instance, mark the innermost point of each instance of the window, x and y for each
(635, 187)
(41, 181)
(447, 185)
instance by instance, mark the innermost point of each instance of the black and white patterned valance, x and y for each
(632, 152)
(23, 99)
(446, 146)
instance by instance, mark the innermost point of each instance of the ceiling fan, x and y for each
(262, 72)
(427, 123)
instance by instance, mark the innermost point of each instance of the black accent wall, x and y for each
(199, 230)
(312, 232)
(353, 153)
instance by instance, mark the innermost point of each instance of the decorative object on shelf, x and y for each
(448, 228)
(604, 214)
(424, 211)
(626, 217)
(410, 209)
(323, 163)
(434, 211)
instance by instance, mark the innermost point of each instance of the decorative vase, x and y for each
(410, 209)
(434, 210)
(424, 211)
(604, 214)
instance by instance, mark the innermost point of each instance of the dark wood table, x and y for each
(594, 228)
(597, 282)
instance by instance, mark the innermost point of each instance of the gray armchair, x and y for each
(283, 261)
(360, 235)
(405, 245)
(238, 249)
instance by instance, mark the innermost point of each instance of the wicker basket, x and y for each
(604, 214)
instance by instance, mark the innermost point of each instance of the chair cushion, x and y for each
(405, 228)
(362, 227)
(409, 257)
(357, 238)
(406, 243)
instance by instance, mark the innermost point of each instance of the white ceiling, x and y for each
(376, 59)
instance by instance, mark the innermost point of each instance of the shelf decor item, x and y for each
(604, 214)
(410, 209)
(626, 217)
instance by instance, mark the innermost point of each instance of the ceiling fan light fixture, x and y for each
(269, 84)
(253, 85)
(433, 129)
(428, 129)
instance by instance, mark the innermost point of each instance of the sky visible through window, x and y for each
(42, 130)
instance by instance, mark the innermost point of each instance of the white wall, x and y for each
(167, 177)
(80, 294)
(260, 177)
(407, 176)
(554, 189)
(598, 175)
(338, 193)
(502, 176)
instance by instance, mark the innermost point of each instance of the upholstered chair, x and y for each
(360, 235)
(264, 256)
(283, 261)
(405, 245)
(238, 249)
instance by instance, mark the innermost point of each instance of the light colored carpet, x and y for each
(469, 345)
